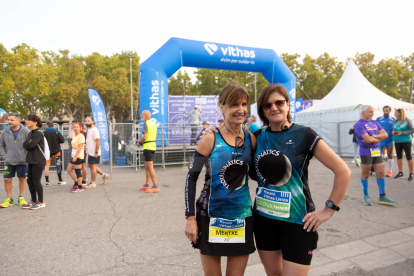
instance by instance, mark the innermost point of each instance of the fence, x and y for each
(173, 143)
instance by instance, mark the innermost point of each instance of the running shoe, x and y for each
(105, 178)
(410, 178)
(400, 174)
(389, 174)
(38, 205)
(387, 201)
(144, 187)
(385, 157)
(367, 201)
(7, 202)
(62, 183)
(153, 190)
(90, 185)
(75, 188)
(358, 162)
(28, 205)
(47, 184)
(84, 183)
(22, 201)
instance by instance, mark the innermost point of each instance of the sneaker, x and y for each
(400, 174)
(387, 201)
(47, 184)
(62, 183)
(385, 157)
(90, 185)
(84, 183)
(81, 189)
(75, 188)
(367, 201)
(22, 201)
(353, 161)
(38, 205)
(28, 205)
(105, 178)
(7, 202)
(144, 187)
(358, 162)
(389, 174)
(153, 190)
(410, 178)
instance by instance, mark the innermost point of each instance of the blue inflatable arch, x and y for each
(177, 52)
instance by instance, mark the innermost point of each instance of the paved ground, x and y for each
(117, 230)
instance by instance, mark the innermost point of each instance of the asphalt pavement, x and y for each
(116, 229)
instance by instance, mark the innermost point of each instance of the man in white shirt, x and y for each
(93, 150)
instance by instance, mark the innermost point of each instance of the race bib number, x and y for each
(375, 152)
(273, 203)
(227, 230)
(73, 151)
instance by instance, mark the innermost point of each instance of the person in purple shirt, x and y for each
(369, 133)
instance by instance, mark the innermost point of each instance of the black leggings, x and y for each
(34, 174)
(406, 146)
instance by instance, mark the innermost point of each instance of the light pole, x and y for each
(412, 75)
(130, 67)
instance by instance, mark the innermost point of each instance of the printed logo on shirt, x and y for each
(233, 174)
(289, 142)
(265, 165)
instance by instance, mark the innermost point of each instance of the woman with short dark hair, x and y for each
(36, 161)
(285, 216)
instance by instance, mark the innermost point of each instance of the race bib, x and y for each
(227, 230)
(375, 152)
(73, 151)
(273, 203)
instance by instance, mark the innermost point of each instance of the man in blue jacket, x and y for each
(387, 123)
(14, 156)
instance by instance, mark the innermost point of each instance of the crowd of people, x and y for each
(376, 140)
(281, 223)
(28, 152)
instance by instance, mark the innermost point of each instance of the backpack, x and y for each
(46, 154)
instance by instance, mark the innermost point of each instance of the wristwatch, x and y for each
(375, 136)
(96, 151)
(331, 205)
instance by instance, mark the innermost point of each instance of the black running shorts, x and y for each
(77, 162)
(369, 160)
(148, 155)
(223, 249)
(296, 243)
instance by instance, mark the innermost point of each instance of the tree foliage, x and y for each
(55, 84)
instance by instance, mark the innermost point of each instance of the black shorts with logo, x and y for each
(369, 160)
(296, 243)
(148, 155)
(223, 249)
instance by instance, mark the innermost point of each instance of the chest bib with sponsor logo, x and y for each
(273, 203)
(227, 230)
(375, 152)
(73, 151)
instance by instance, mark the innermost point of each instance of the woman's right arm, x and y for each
(32, 141)
(200, 156)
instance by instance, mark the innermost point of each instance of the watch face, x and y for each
(329, 204)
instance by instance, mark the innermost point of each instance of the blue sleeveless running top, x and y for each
(226, 191)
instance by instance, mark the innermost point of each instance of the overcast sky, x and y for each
(341, 28)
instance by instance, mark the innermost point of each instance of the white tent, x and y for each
(338, 111)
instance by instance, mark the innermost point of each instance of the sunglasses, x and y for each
(278, 104)
(236, 152)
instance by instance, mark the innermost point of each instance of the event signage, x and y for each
(99, 116)
(177, 52)
(180, 107)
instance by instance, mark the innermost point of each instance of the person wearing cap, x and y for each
(195, 117)
(221, 122)
(205, 125)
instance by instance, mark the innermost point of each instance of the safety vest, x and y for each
(149, 143)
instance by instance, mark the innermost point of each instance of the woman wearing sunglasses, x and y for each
(285, 216)
(222, 225)
(402, 137)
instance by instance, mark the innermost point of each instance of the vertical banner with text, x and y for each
(99, 116)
